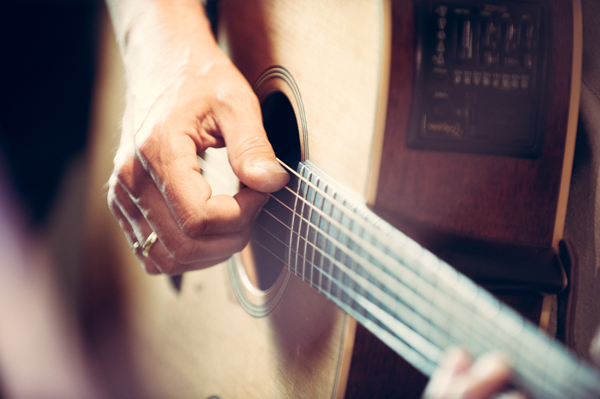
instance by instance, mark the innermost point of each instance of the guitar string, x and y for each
(337, 283)
(360, 221)
(406, 350)
(399, 290)
(343, 249)
(350, 273)
(331, 198)
(532, 376)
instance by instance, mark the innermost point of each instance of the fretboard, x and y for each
(414, 302)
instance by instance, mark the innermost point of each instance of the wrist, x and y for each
(159, 36)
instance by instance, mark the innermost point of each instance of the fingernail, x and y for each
(270, 166)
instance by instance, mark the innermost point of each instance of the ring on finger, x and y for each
(135, 247)
(148, 243)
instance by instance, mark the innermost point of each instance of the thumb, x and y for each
(251, 155)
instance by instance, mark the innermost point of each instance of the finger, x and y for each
(250, 153)
(176, 251)
(488, 375)
(455, 362)
(176, 180)
(193, 252)
(116, 207)
(153, 255)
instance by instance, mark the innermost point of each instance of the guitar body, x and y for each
(336, 62)
(199, 341)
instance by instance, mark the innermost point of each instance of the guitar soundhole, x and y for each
(281, 126)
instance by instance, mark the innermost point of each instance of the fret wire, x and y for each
(492, 330)
(299, 226)
(315, 215)
(355, 265)
(317, 228)
(319, 237)
(344, 243)
(329, 234)
(308, 226)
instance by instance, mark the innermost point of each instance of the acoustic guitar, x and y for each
(454, 121)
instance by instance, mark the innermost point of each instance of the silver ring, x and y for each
(134, 247)
(148, 243)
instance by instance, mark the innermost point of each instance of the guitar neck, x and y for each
(414, 302)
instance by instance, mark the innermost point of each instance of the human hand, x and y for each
(184, 96)
(458, 377)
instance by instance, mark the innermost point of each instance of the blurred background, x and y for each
(62, 98)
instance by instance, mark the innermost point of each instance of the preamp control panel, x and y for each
(479, 77)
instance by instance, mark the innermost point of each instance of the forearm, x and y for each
(160, 40)
(140, 23)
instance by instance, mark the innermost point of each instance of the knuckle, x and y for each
(250, 147)
(123, 174)
(251, 144)
(147, 147)
(181, 254)
(235, 97)
(228, 94)
(169, 267)
(194, 225)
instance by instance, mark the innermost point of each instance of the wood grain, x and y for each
(333, 51)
